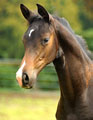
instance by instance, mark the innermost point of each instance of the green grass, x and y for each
(28, 106)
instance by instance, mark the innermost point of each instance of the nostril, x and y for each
(25, 79)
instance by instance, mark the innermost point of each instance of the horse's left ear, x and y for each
(26, 12)
(43, 12)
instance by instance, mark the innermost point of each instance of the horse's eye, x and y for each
(45, 41)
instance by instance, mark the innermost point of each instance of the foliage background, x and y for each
(13, 25)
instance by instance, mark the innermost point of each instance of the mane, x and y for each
(34, 18)
(79, 38)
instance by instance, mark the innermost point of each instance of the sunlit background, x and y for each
(41, 102)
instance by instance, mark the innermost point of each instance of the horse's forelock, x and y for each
(34, 18)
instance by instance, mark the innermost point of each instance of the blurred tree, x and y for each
(67, 9)
(10, 30)
(49, 6)
(71, 12)
(85, 12)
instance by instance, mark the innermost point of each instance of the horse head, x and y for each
(40, 43)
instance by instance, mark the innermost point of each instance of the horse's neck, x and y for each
(64, 78)
(72, 76)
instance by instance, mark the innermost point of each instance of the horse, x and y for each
(51, 39)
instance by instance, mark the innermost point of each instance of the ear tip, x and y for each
(21, 5)
(38, 5)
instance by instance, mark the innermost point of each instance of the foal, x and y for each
(50, 39)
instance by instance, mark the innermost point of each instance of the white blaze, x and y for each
(31, 32)
(19, 72)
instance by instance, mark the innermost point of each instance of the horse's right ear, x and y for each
(26, 12)
(43, 12)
